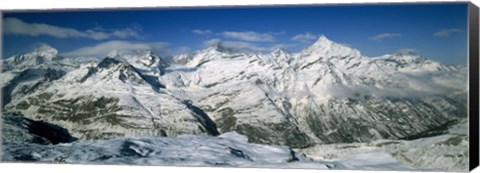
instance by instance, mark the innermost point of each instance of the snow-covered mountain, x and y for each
(327, 93)
(24, 139)
(42, 56)
(325, 97)
(104, 100)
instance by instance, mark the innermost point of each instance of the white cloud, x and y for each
(103, 49)
(249, 36)
(16, 26)
(407, 50)
(446, 32)
(382, 36)
(125, 33)
(306, 37)
(211, 42)
(182, 50)
(202, 32)
(418, 87)
(241, 45)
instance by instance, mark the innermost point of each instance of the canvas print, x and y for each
(359, 86)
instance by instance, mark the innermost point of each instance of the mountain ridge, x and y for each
(327, 93)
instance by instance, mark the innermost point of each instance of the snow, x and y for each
(230, 149)
(42, 55)
(374, 160)
(327, 48)
(227, 150)
(45, 51)
(322, 93)
(6, 77)
(146, 110)
(447, 152)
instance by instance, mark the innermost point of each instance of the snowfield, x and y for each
(227, 150)
(447, 152)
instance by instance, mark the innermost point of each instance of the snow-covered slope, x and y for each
(24, 74)
(446, 152)
(327, 93)
(230, 149)
(112, 99)
(144, 60)
(44, 55)
(27, 140)
(227, 150)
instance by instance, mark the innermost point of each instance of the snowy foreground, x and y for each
(228, 150)
(447, 152)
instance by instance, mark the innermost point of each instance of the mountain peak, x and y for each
(219, 47)
(406, 53)
(280, 51)
(324, 42)
(109, 62)
(46, 48)
(323, 39)
(43, 55)
(45, 51)
(144, 58)
(325, 47)
(408, 57)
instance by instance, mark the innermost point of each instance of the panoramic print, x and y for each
(370, 87)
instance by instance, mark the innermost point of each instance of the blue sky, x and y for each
(435, 31)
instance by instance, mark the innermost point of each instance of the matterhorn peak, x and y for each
(324, 43)
(323, 40)
(327, 48)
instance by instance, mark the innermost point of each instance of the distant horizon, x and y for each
(436, 31)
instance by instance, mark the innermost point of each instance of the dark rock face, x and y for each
(20, 129)
(278, 134)
(203, 118)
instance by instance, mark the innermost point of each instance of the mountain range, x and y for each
(327, 93)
